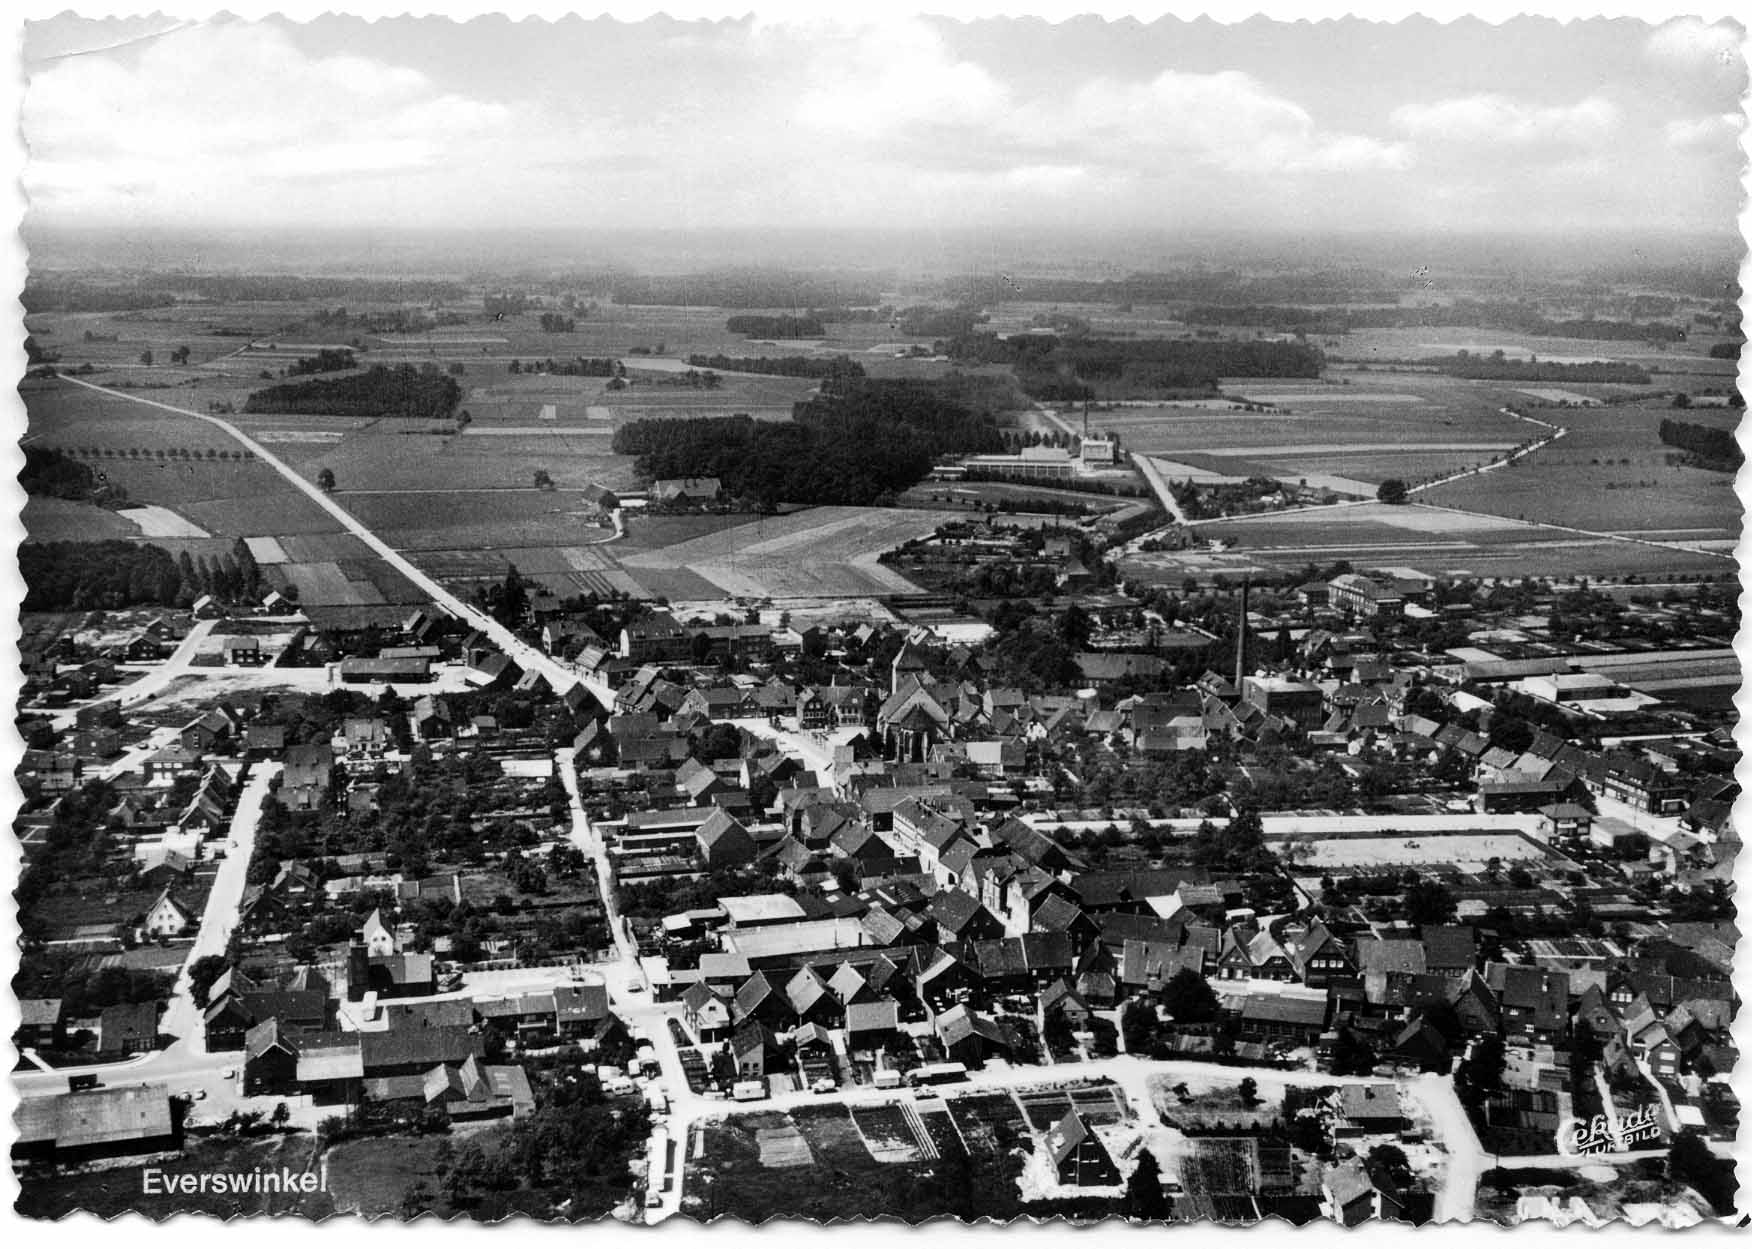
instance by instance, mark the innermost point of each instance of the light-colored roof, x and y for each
(762, 908)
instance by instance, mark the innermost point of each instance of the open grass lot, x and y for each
(1611, 473)
(371, 1176)
(1215, 1103)
(121, 1190)
(826, 552)
(1466, 852)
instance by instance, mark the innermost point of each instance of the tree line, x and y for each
(577, 366)
(780, 326)
(871, 441)
(1068, 370)
(1514, 317)
(748, 289)
(1497, 367)
(401, 391)
(781, 366)
(326, 360)
(1713, 447)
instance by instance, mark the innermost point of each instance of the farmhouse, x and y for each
(1079, 1159)
(97, 1126)
(686, 489)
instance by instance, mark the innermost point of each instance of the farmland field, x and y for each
(386, 458)
(1350, 433)
(48, 519)
(1437, 540)
(1610, 473)
(1410, 344)
(827, 552)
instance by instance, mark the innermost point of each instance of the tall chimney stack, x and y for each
(1241, 636)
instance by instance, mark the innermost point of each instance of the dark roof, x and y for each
(425, 1046)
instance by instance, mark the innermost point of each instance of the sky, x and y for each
(902, 123)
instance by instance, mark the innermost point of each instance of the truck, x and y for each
(887, 1078)
(658, 1098)
(749, 1090)
(937, 1073)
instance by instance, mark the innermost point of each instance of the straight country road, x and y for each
(529, 658)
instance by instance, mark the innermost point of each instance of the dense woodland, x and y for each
(86, 576)
(1070, 369)
(1713, 447)
(871, 441)
(50, 472)
(402, 391)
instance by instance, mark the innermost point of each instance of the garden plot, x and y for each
(783, 1146)
(889, 1133)
(1220, 1166)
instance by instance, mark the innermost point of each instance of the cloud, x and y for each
(1691, 133)
(885, 78)
(901, 90)
(1227, 120)
(1497, 121)
(1692, 42)
(224, 109)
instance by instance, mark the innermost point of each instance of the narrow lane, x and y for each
(183, 1018)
